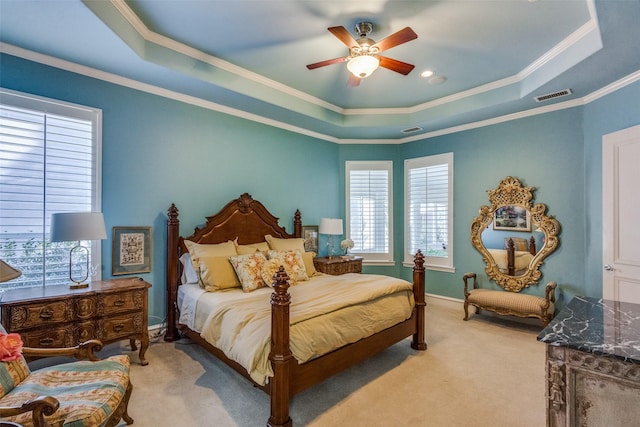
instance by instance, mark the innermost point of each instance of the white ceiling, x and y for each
(248, 57)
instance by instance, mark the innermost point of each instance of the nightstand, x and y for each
(56, 316)
(338, 265)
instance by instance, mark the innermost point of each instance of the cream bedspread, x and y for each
(326, 313)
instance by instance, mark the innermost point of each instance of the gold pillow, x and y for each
(249, 249)
(217, 273)
(277, 244)
(249, 270)
(212, 263)
(308, 257)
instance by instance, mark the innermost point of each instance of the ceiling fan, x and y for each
(364, 54)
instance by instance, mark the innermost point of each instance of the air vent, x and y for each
(411, 130)
(549, 96)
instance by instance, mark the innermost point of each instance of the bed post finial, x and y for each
(172, 213)
(297, 224)
(418, 341)
(280, 355)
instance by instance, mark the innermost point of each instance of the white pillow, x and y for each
(189, 274)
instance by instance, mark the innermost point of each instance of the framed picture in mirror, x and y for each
(512, 218)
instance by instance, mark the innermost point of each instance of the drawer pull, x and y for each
(119, 327)
(119, 303)
(46, 314)
(46, 341)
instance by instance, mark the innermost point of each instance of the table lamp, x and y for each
(331, 227)
(7, 272)
(77, 226)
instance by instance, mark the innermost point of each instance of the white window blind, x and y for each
(369, 205)
(49, 162)
(429, 209)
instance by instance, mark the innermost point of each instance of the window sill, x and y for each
(433, 267)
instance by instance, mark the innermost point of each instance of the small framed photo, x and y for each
(512, 218)
(310, 236)
(131, 250)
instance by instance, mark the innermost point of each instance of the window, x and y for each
(49, 162)
(369, 215)
(429, 210)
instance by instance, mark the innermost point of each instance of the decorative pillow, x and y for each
(292, 263)
(277, 244)
(197, 250)
(189, 274)
(270, 268)
(254, 247)
(217, 273)
(309, 266)
(519, 243)
(248, 268)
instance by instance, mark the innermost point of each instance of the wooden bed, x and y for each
(511, 251)
(249, 221)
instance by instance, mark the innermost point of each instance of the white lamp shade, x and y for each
(331, 226)
(7, 272)
(76, 226)
(363, 66)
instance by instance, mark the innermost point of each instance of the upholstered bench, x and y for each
(509, 303)
(79, 394)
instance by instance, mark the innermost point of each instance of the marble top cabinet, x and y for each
(593, 364)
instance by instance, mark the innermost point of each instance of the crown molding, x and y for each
(192, 100)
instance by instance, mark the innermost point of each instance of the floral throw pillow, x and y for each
(270, 268)
(292, 262)
(248, 268)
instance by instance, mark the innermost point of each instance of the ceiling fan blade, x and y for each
(395, 39)
(344, 36)
(327, 62)
(353, 81)
(395, 65)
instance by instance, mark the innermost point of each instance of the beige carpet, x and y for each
(483, 372)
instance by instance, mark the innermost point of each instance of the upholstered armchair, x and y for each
(82, 393)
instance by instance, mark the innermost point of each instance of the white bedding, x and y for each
(325, 314)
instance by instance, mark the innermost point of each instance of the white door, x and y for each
(621, 215)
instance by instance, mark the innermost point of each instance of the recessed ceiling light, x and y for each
(427, 73)
(437, 80)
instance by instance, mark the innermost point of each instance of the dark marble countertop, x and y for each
(602, 327)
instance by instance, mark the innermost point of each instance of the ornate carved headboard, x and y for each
(243, 218)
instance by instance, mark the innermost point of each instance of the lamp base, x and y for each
(78, 285)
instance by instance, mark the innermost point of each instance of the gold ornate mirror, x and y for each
(514, 236)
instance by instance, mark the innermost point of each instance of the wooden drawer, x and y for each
(120, 302)
(49, 338)
(120, 326)
(35, 315)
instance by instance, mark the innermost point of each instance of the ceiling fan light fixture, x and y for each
(363, 65)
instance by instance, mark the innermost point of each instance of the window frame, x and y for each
(432, 263)
(51, 106)
(385, 258)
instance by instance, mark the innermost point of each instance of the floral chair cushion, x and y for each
(88, 392)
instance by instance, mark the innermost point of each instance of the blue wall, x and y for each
(157, 151)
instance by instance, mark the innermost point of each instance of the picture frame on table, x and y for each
(310, 236)
(512, 218)
(131, 250)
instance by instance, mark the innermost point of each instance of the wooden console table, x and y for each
(593, 364)
(56, 316)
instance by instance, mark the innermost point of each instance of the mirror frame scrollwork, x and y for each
(511, 192)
